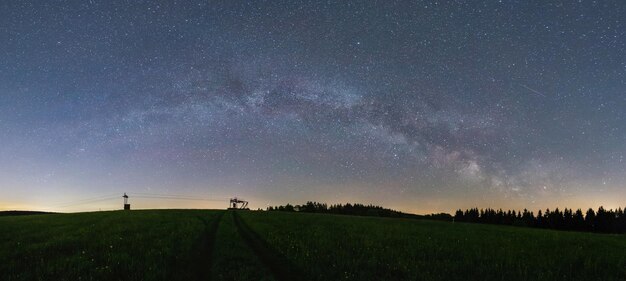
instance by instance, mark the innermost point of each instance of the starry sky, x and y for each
(420, 106)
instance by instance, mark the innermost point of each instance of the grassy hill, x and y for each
(245, 245)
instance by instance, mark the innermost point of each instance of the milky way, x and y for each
(417, 105)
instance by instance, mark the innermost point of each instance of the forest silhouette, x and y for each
(602, 220)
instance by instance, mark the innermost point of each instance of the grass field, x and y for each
(102, 245)
(329, 247)
(227, 245)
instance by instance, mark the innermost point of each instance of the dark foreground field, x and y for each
(227, 245)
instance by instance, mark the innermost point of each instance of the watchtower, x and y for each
(238, 204)
(126, 205)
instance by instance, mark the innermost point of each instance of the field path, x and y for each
(203, 252)
(279, 265)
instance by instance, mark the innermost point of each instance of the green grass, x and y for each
(234, 259)
(218, 245)
(330, 247)
(138, 245)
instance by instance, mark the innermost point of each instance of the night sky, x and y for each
(414, 105)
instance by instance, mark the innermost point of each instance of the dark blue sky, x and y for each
(416, 105)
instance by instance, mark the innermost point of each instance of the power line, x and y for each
(174, 196)
(139, 195)
(108, 196)
(88, 201)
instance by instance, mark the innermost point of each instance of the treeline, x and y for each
(354, 210)
(602, 220)
(22, 213)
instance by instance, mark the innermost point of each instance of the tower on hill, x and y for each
(126, 205)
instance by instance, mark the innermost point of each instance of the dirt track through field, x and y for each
(204, 248)
(279, 265)
(210, 262)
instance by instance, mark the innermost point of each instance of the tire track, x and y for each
(203, 254)
(279, 265)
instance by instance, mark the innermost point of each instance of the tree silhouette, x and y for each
(607, 221)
